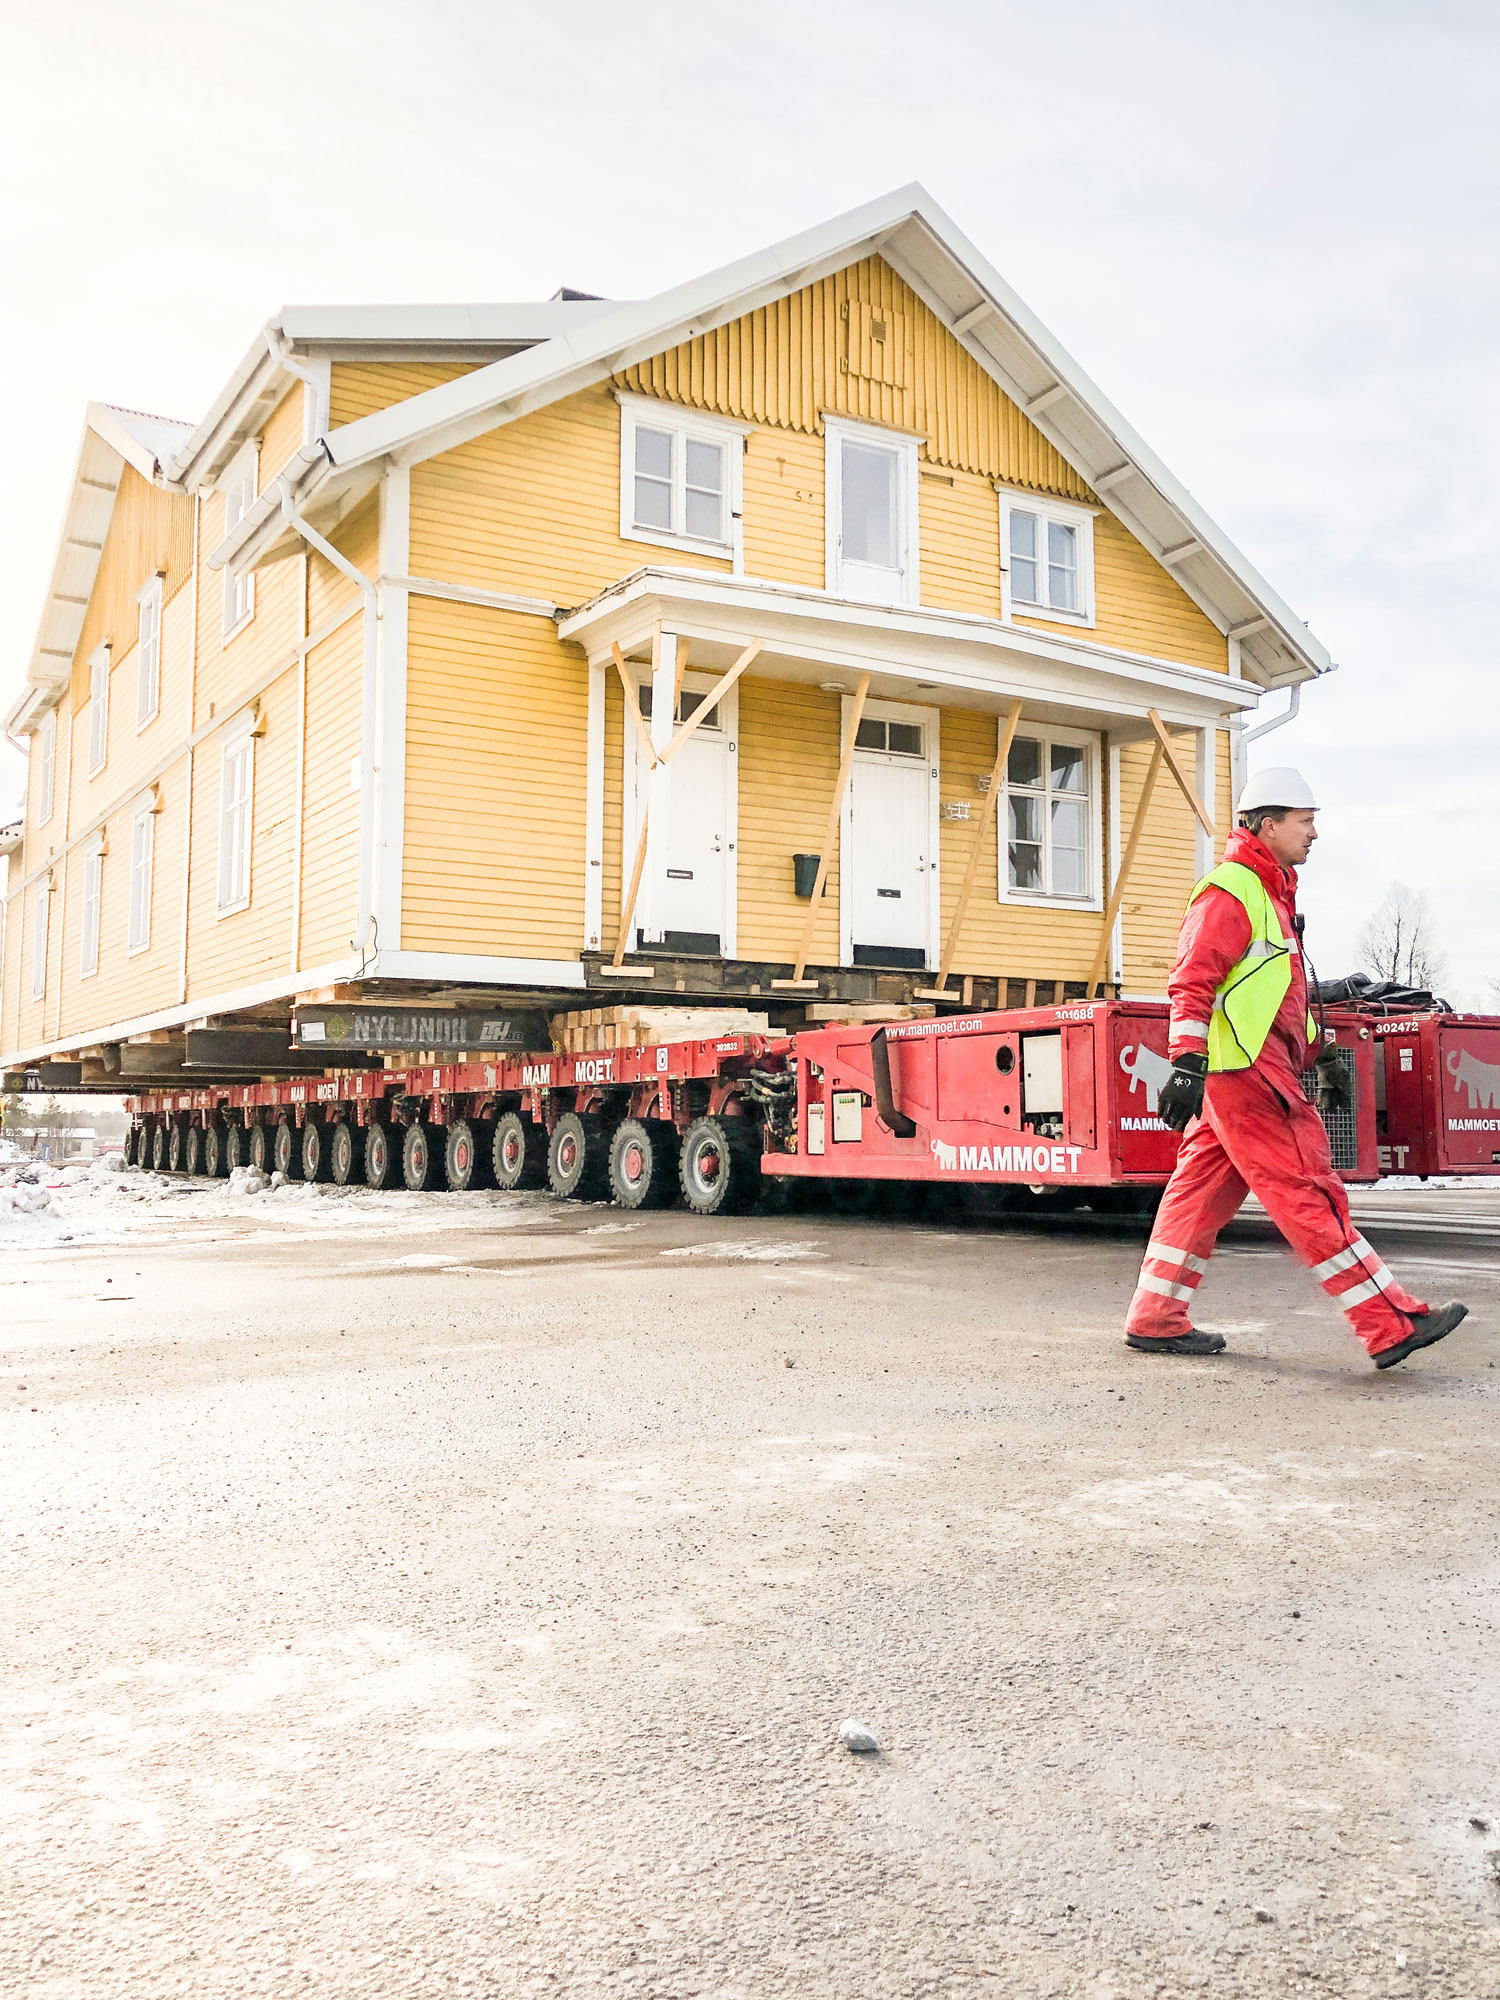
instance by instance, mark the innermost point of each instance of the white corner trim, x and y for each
(471, 968)
(593, 812)
(389, 748)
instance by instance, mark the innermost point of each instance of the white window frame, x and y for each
(148, 651)
(240, 486)
(1046, 734)
(40, 913)
(683, 424)
(839, 431)
(46, 776)
(142, 868)
(91, 907)
(233, 889)
(1081, 520)
(98, 709)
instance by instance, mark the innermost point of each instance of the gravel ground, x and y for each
(463, 1595)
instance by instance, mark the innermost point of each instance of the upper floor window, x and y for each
(39, 941)
(148, 653)
(679, 477)
(142, 846)
(98, 709)
(239, 486)
(871, 514)
(93, 889)
(1049, 558)
(1051, 827)
(236, 792)
(46, 766)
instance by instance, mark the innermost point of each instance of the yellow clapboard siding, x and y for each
(1165, 870)
(330, 809)
(150, 532)
(783, 512)
(960, 543)
(281, 435)
(1224, 793)
(359, 388)
(789, 762)
(789, 362)
(358, 538)
(491, 696)
(533, 507)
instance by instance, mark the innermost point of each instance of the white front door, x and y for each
(889, 873)
(692, 899)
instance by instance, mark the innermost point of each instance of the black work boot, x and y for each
(1431, 1327)
(1191, 1342)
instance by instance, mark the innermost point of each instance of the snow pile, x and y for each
(10, 1153)
(248, 1180)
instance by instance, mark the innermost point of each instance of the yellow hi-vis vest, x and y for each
(1247, 1002)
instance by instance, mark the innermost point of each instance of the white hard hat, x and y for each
(1280, 786)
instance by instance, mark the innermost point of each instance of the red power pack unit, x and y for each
(1437, 1094)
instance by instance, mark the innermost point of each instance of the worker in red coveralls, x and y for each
(1241, 1037)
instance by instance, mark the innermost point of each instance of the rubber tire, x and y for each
(643, 1163)
(466, 1157)
(578, 1159)
(132, 1144)
(158, 1149)
(192, 1152)
(236, 1147)
(422, 1158)
(518, 1153)
(317, 1154)
(346, 1153)
(260, 1148)
(176, 1148)
(382, 1159)
(733, 1184)
(287, 1154)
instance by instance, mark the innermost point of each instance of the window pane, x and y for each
(1062, 566)
(1068, 769)
(653, 504)
(705, 490)
(653, 479)
(1069, 823)
(1067, 872)
(690, 702)
(869, 498)
(1025, 819)
(1025, 866)
(1023, 557)
(705, 516)
(1025, 764)
(905, 737)
(870, 735)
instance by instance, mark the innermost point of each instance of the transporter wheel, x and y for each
(346, 1153)
(236, 1147)
(286, 1150)
(720, 1166)
(132, 1144)
(643, 1163)
(158, 1149)
(317, 1154)
(192, 1151)
(382, 1161)
(260, 1137)
(578, 1159)
(422, 1157)
(518, 1152)
(175, 1148)
(466, 1159)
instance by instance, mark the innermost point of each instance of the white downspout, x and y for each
(1277, 721)
(368, 590)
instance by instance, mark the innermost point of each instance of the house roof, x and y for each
(922, 243)
(112, 439)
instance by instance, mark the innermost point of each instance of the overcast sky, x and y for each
(1268, 232)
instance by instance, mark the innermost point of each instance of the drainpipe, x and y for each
(1277, 721)
(361, 940)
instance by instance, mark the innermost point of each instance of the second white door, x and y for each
(889, 855)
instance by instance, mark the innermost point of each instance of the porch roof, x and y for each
(953, 658)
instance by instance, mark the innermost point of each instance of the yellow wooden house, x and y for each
(816, 631)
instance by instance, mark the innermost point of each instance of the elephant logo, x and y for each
(1480, 1079)
(1145, 1067)
(946, 1156)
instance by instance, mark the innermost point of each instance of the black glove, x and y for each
(1335, 1088)
(1181, 1097)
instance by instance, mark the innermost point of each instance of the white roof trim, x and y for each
(112, 439)
(993, 323)
(803, 629)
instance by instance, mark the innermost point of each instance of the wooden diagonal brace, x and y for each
(1005, 732)
(1116, 895)
(1179, 774)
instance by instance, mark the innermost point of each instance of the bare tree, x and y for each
(1397, 942)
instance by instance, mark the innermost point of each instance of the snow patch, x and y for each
(748, 1253)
